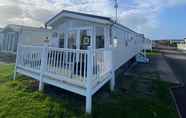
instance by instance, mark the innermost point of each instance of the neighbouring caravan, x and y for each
(14, 34)
(182, 45)
(83, 53)
(1, 38)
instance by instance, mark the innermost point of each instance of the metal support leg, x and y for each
(41, 86)
(88, 104)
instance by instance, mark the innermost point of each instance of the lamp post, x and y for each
(116, 8)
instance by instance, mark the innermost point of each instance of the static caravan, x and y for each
(82, 55)
(181, 45)
(14, 34)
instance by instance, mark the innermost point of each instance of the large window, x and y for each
(72, 39)
(100, 41)
(61, 40)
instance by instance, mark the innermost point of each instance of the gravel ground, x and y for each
(177, 61)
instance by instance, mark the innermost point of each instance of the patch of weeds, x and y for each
(6, 72)
(23, 85)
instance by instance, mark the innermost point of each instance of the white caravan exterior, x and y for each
(123, 41)
(14, 34)
(82, 55)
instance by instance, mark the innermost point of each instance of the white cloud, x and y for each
(143, 15)
(140, 15)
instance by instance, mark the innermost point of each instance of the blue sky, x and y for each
(157, 19)
(168, 21)
(172, 23)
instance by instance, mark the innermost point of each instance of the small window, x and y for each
(115, 42)
(131, 38)
(54, 35)
(126, 43)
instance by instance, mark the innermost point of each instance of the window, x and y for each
(126, 43)
(54, 35)
(131, 38)
(72, 40)
(85, 39)
(115, 42)
(61, 40)
(100, 41)
(127, 36)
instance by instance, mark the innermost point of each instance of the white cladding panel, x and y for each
(31, 37)
(125, 44)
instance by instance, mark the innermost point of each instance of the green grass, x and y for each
(6, 71)
(20, 99)
(153, 53)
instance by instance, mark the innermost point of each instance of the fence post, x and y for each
(88, 81)
(44, 57)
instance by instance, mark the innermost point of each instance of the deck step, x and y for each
(142, 58)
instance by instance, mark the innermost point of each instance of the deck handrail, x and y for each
(74, 64)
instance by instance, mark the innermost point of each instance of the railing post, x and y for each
(17, 58)
(88, 80)
(112, 81)
(44, 57)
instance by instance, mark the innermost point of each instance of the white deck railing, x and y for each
(69, 64)
(80, 71)
(29, 57)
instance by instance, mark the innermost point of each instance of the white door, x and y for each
(85, 38)
(79, 38)
(72, 39)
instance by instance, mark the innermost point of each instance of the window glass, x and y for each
(100, 41)
(54, 35)
(72, 39)
(61, 40)
(85, 39)
(115, 42)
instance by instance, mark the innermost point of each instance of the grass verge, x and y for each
(153, 53)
